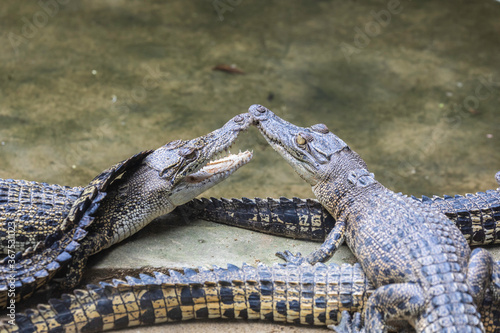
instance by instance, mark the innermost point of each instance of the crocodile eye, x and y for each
(238, 119)
(320, 128)
(173, 144)
(191, 156)
(300, 140)
(188, 153)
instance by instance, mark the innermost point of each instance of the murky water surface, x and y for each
(413, 88)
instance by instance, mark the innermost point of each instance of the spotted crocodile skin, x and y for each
(30, 211)
(306, 295)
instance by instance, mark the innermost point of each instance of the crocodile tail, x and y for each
(23, 273)
(310, 295)
(476, 215)
(490, 313)
(294, 218)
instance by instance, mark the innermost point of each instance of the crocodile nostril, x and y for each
(261, 109)
(238, 119)
(258, 111)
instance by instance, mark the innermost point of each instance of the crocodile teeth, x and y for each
(221, 167)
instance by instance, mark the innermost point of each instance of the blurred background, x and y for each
(412, 86)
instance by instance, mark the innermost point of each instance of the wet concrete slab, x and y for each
(201, 243)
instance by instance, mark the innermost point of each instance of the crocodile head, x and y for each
(171, 176)
(188, 168)
(315, 153)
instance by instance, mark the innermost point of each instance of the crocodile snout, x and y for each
(240, 122)
(258, 112)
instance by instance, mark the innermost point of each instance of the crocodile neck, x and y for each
(135, 200)
(345, 184)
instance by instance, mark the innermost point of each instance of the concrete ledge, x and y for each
(174, 244)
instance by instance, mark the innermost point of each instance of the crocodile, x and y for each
(47, 205)
(419, 263)
(116, 204)
(319, 295)
(476, 215)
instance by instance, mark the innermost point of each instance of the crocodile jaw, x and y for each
(211, 174)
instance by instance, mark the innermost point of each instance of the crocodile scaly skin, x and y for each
(306, 295)
(30, 211)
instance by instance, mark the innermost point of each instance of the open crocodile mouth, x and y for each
(220, 168)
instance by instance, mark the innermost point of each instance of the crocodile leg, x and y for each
(348, 324)
(392, 302)
(332, 242)
(387, 303)
(483, 273)
(76, 267)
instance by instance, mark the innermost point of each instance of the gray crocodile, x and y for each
(419, 263)
(116, 204)
(319, 295)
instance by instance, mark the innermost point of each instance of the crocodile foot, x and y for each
(348, 324)
(290, 258)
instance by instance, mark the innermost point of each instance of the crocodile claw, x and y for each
(348, 324)
(291, 258)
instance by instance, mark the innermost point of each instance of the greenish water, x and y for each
(93, 82)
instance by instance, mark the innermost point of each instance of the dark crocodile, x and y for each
(476, 215)
(309, 295)
(115, 205)
(417, 259)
